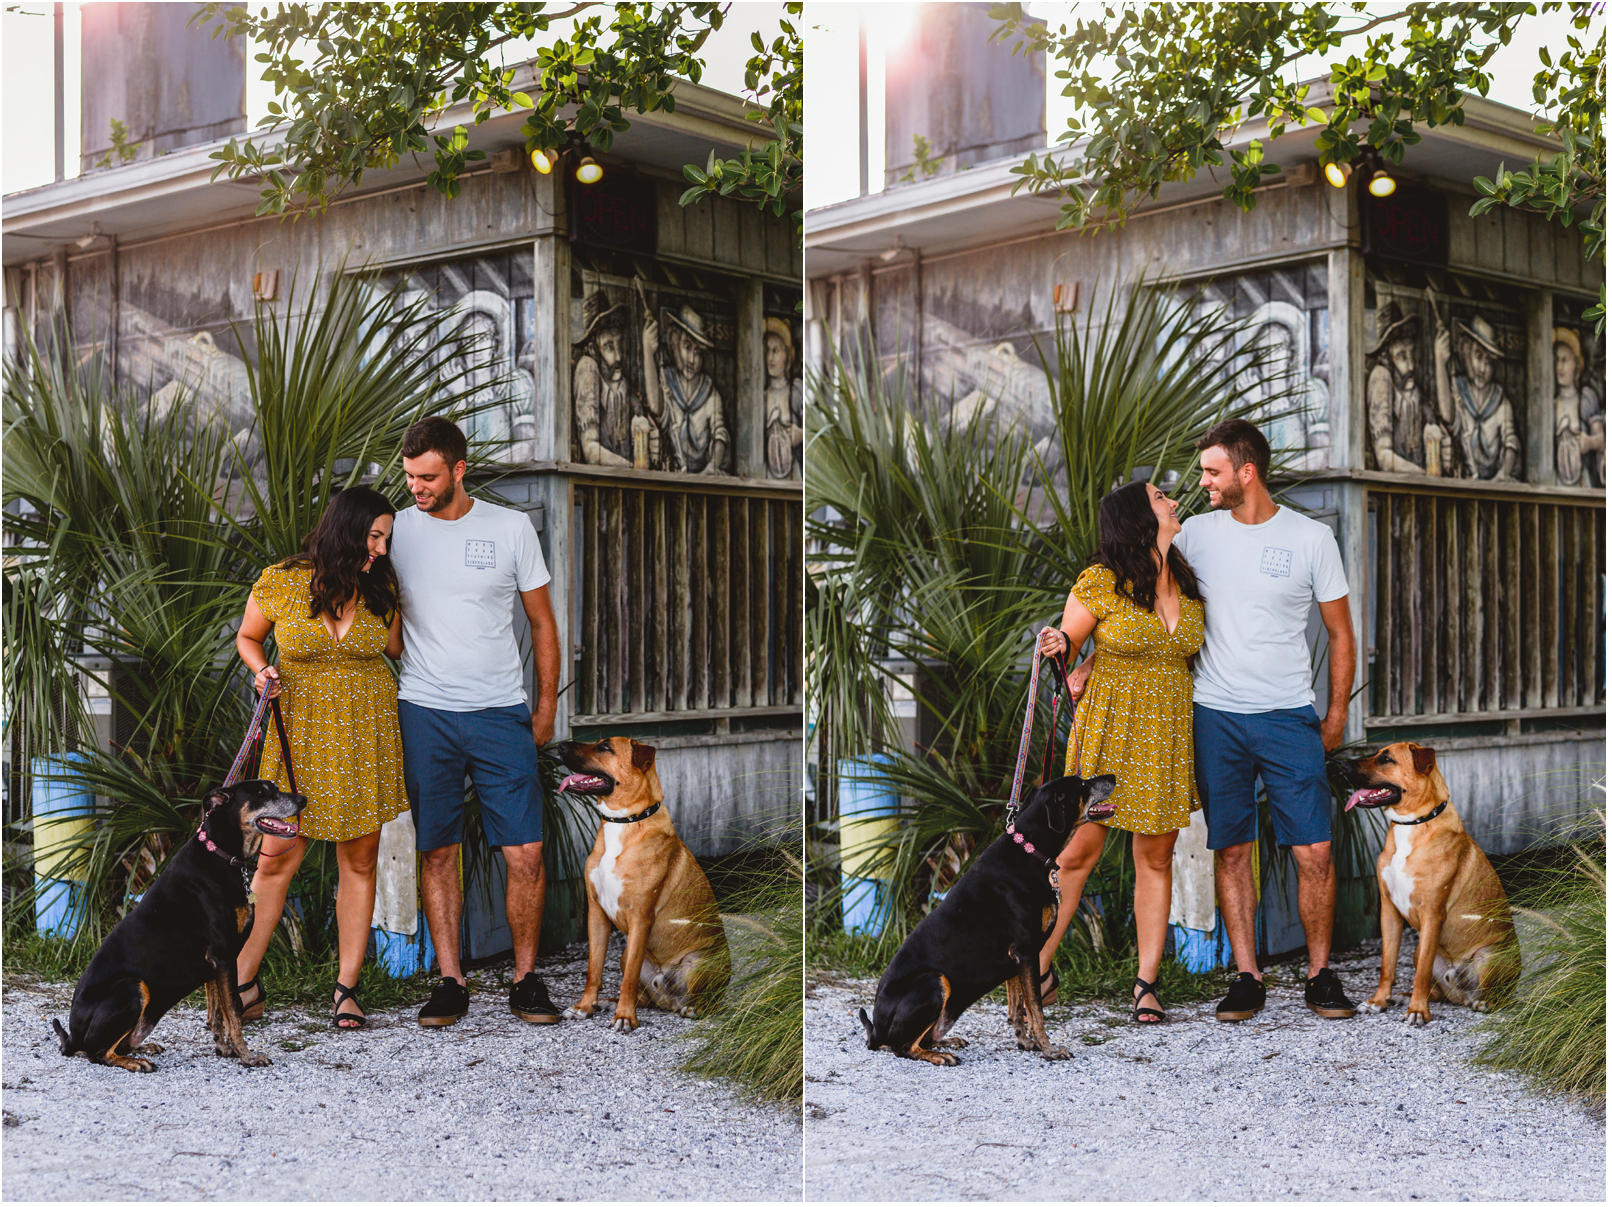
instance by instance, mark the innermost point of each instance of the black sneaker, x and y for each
(450, 1002)
(1246, 999)
(1324, 994)
(529, 999)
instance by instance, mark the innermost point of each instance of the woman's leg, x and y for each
(277, 862)
(355, 907)
(1153, 858)
(1075, 863)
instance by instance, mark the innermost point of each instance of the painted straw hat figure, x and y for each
(1473, 400)
(682, 398)
(1400, 424)
(784, 402)
(1580, 418)
(602, 397)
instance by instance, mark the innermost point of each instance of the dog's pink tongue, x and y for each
(573, 779)
(1356, 797)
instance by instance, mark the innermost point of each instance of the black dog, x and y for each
(185, 932)
(989, 930)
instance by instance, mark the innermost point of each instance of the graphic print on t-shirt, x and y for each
(1278, 563)
(481, 555)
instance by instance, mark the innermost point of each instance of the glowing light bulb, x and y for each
(1381, 184)
(1337, 174)
(589, 172)
(543, 161)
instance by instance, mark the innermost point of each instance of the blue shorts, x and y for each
(494, 747)
(1283, 748)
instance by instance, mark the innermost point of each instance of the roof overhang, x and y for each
(976, 206)
(174, 193)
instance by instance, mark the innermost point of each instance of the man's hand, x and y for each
(1332, 730)
(543, 727)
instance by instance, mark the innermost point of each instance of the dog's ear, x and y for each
(1057, 819)
(1423, 758)
(215, 798)
(643, 757)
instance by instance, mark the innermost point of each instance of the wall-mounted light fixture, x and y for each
(589, 171)
(1338, 174)
(1381, 184)
(544, 161)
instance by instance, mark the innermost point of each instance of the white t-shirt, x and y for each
(1258, 581)
(459, 583)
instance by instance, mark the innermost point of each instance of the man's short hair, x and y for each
(1244, 443)
(434, 434)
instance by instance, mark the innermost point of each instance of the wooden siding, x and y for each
(1485, 608)
(690, 603)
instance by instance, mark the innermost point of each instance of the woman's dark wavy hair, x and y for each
(1128, 544)
(337, 549)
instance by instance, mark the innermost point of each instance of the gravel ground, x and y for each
(1287, 1106)
(490, 1108)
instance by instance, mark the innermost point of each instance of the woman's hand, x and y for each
(268, 677)
(1078, 677)
(1053, 642)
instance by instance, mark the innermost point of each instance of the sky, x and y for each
(831, 80)
(27, 72)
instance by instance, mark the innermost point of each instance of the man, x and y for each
(606, 410)
(1473, 401)
(1399, 421)
(681, 396)
(461, 563)
(1260, 566)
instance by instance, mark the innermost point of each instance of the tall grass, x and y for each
(755, 1038)
(1554, 1028)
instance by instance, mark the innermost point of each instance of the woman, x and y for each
(334, 611)
(1134, 720)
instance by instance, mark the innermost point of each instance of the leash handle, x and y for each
(1061, 669)
(253, 745)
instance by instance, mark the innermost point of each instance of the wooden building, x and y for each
(677, 563)
(1475, 545)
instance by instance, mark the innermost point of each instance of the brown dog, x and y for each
(641, 878)
(1432, 875)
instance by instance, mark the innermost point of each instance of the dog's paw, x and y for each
(150, 1049)
(1026, 1044)
(688, 1012)
(576, 1012)
(955, 1041)
(1056, 1053)
(1481, 1006)
(1373, 1006)
(255, 1060)
(1418, 1018)
(623, 1023)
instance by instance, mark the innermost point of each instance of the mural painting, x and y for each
(783, 397)
(1286, 317)
(1446, 375)
(1578, 362)
(652, 375)
(493, 294)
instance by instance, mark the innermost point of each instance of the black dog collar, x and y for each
(235, 861)
(1427, 817)
(621, 821)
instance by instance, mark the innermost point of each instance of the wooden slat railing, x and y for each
(1485, 608)
(716, 633)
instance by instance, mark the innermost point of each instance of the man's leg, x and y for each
(524, 894)
(1318, 891)
(444, 901)
(1234, 886)
(1225, 774)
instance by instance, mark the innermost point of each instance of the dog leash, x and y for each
(254, 737)
(1060, 690)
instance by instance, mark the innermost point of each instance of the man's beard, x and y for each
(1231, 497)
(444, 500)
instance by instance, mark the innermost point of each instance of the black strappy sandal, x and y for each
(346, 1020)
(1049, 988)
(1137, 1011)
(254, 1008)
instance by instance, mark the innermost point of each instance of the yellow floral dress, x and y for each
(1134, 721)
(339, 699)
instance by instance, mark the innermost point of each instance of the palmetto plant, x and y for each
(137, 533)
(943, 545)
